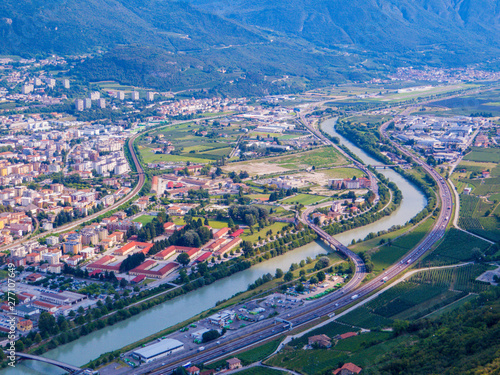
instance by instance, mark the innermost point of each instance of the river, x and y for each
(172, 312)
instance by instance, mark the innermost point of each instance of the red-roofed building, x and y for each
(168, 225)
(229, 246)
(34, 277)
(347, 335)
(145, 269)
(221, 232)
(237, 233)
(193, 370)
(103, 264)
(203, 258)
(138, 279)
(194, 252)
(164, 254)
(348, 369)
(45, 306)
(215, 245)
(143, 247)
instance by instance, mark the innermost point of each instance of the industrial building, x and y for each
(157, 350)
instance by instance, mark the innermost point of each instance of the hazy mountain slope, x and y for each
(68, 26)
(379, 25)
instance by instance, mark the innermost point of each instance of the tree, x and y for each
(183, 259)
(210, 335)
(300, 287)
(321, 276)
(279, 273)
(288, 276)
(47, 323)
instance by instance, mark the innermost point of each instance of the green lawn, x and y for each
(275, 227)
(484, 155)
(305, 199)
(343, 172)
(144, 219)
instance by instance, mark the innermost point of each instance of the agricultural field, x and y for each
(457, 246)
(342, 172)
(465, 105)
(189, 143)
(485, 155)
(363, 350)
(305, 199)
(318, 158)
(479, 216)
(420, 295)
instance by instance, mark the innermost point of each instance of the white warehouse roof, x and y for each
(160, 348)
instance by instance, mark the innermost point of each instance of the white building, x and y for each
(135, 95)
(79, 105)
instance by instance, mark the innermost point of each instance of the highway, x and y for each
(269, 328)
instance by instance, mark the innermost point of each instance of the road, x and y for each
(269, 328)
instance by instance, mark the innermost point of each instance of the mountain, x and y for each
(459, 26)
(71, 26)
(248, 46)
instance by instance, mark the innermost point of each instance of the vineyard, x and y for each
(420, 295)
(457, 246)
(468, 204)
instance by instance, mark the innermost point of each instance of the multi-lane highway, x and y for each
(269, 328)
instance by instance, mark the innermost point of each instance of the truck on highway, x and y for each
(355, 296)
(384, 279)
(201, 348)
(408, 261)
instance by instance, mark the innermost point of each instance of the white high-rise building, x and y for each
(88, 103)
(79, 105)
(51, 82)
(27, 89)
(120, 95)
(95, 95)
(66, 83)
(135, 95)
(38, 82)
(150, 96)
(102, 103)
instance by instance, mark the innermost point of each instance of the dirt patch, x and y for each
(488, 276)
(255, 168)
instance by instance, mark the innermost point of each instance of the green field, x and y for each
(363, 350)
(275, 227)
(260, 370)
(144, 219)
(342, 172)
(484, 155)
(420, 295)
(478, 216)
(305, 199)
(457, 246)
(250, 356)
(322, 157)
